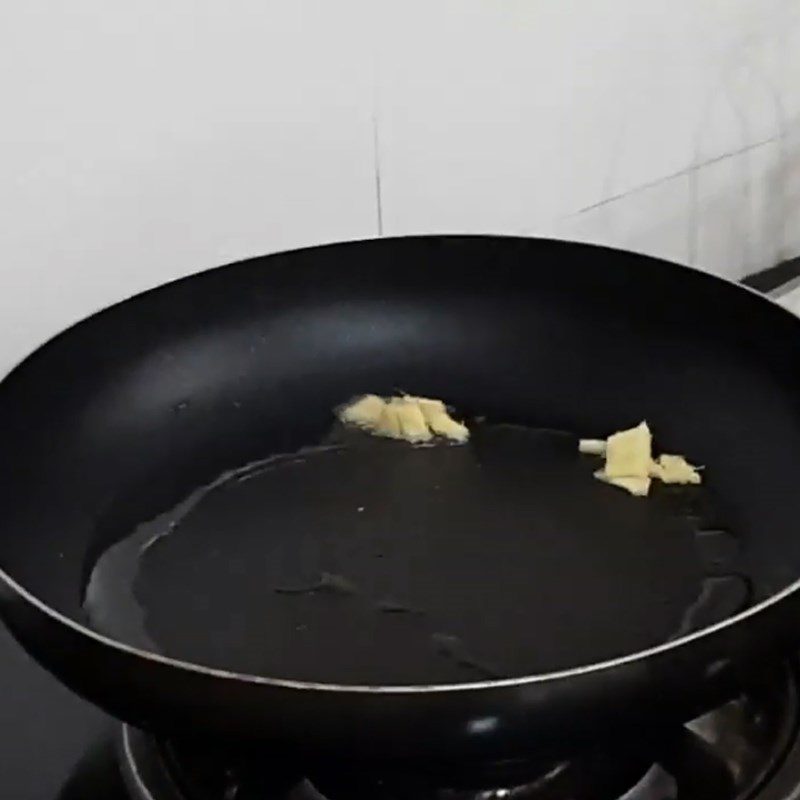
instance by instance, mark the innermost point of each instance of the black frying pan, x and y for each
(191, 542)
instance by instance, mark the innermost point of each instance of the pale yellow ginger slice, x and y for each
(630, 464)
(629, 453)
(413, 419)
(440, 422)
(445, 425)
(388, 423)
(364, 412)
(429, 406)
(633, 485)
(674, 469)
(592, 447)
(413, 425)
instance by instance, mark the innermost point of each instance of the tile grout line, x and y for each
(666, 178)
(377, 166)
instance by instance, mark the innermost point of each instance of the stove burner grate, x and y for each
(740, 751)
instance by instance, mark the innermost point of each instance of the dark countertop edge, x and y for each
(769, 279)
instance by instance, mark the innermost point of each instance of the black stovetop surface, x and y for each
(53, 745)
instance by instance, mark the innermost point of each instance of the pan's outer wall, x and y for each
(558, 334)
(550, 719)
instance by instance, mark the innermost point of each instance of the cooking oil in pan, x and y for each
(372, 562)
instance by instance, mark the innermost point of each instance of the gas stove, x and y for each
(53, 746)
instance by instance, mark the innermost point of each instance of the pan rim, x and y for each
(401, 689)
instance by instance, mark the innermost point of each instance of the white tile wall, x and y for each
(722, 199)
(653, 219)
(790, 186)
(141, 141)
(585, 119)
(791, 300)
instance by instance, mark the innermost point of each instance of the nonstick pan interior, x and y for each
(370, 562)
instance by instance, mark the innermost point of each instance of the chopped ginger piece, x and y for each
(634, 485)
(445, 425)
(428, 406)
(388, 424)
(638, 487)
(630, 465)
(592, 447)
(629, 453)
(674, 469)
(413, 419)
(364, 412)
(440, 422)
(413, 426)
